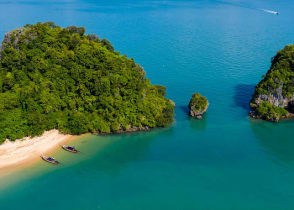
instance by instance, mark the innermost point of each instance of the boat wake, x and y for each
(247, 6)
(270, 11)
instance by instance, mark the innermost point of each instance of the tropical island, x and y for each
(273, 98)
(198, 105)
(60, 78)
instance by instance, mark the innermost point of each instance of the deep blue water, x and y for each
(226, 161)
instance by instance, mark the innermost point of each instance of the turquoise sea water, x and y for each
(226, 161)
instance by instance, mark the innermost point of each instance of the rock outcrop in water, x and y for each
(274, 95)
(198, 105)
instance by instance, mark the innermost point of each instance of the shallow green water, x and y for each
(226, 161)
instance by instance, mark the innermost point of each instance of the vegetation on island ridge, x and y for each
(61, 78)
(198, 105)
(274, 95)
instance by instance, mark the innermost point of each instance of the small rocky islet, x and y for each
(273, 98)
(198, 105)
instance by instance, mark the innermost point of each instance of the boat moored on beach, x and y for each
(50, 160)
(70, 148)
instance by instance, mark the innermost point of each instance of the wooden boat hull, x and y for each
(72, 151)
(49, 161)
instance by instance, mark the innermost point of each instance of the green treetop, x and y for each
(60, 78)
(198, 105)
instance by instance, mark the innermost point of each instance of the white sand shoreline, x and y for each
(23, 151)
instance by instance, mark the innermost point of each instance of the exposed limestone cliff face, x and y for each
(16, 37)
(274, 95)
(12, 39)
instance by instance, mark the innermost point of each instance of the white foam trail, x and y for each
(270, 11)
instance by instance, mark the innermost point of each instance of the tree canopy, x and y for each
(61, 78)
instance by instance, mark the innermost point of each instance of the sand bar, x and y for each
(13, 154)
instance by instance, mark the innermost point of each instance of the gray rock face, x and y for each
(198, 114)
(276, 98)
(12, 35)
(14, 38)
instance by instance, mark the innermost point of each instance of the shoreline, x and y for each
(253, 115)
(23, 152)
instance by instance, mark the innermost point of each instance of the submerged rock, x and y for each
(198, 105)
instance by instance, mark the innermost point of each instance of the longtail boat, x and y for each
(69, 149)
(50, 160)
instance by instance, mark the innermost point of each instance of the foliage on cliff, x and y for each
(198, 105)
(273, 94)
(268, 111)
(53, 77)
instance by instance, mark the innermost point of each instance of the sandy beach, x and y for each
(15, 154)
